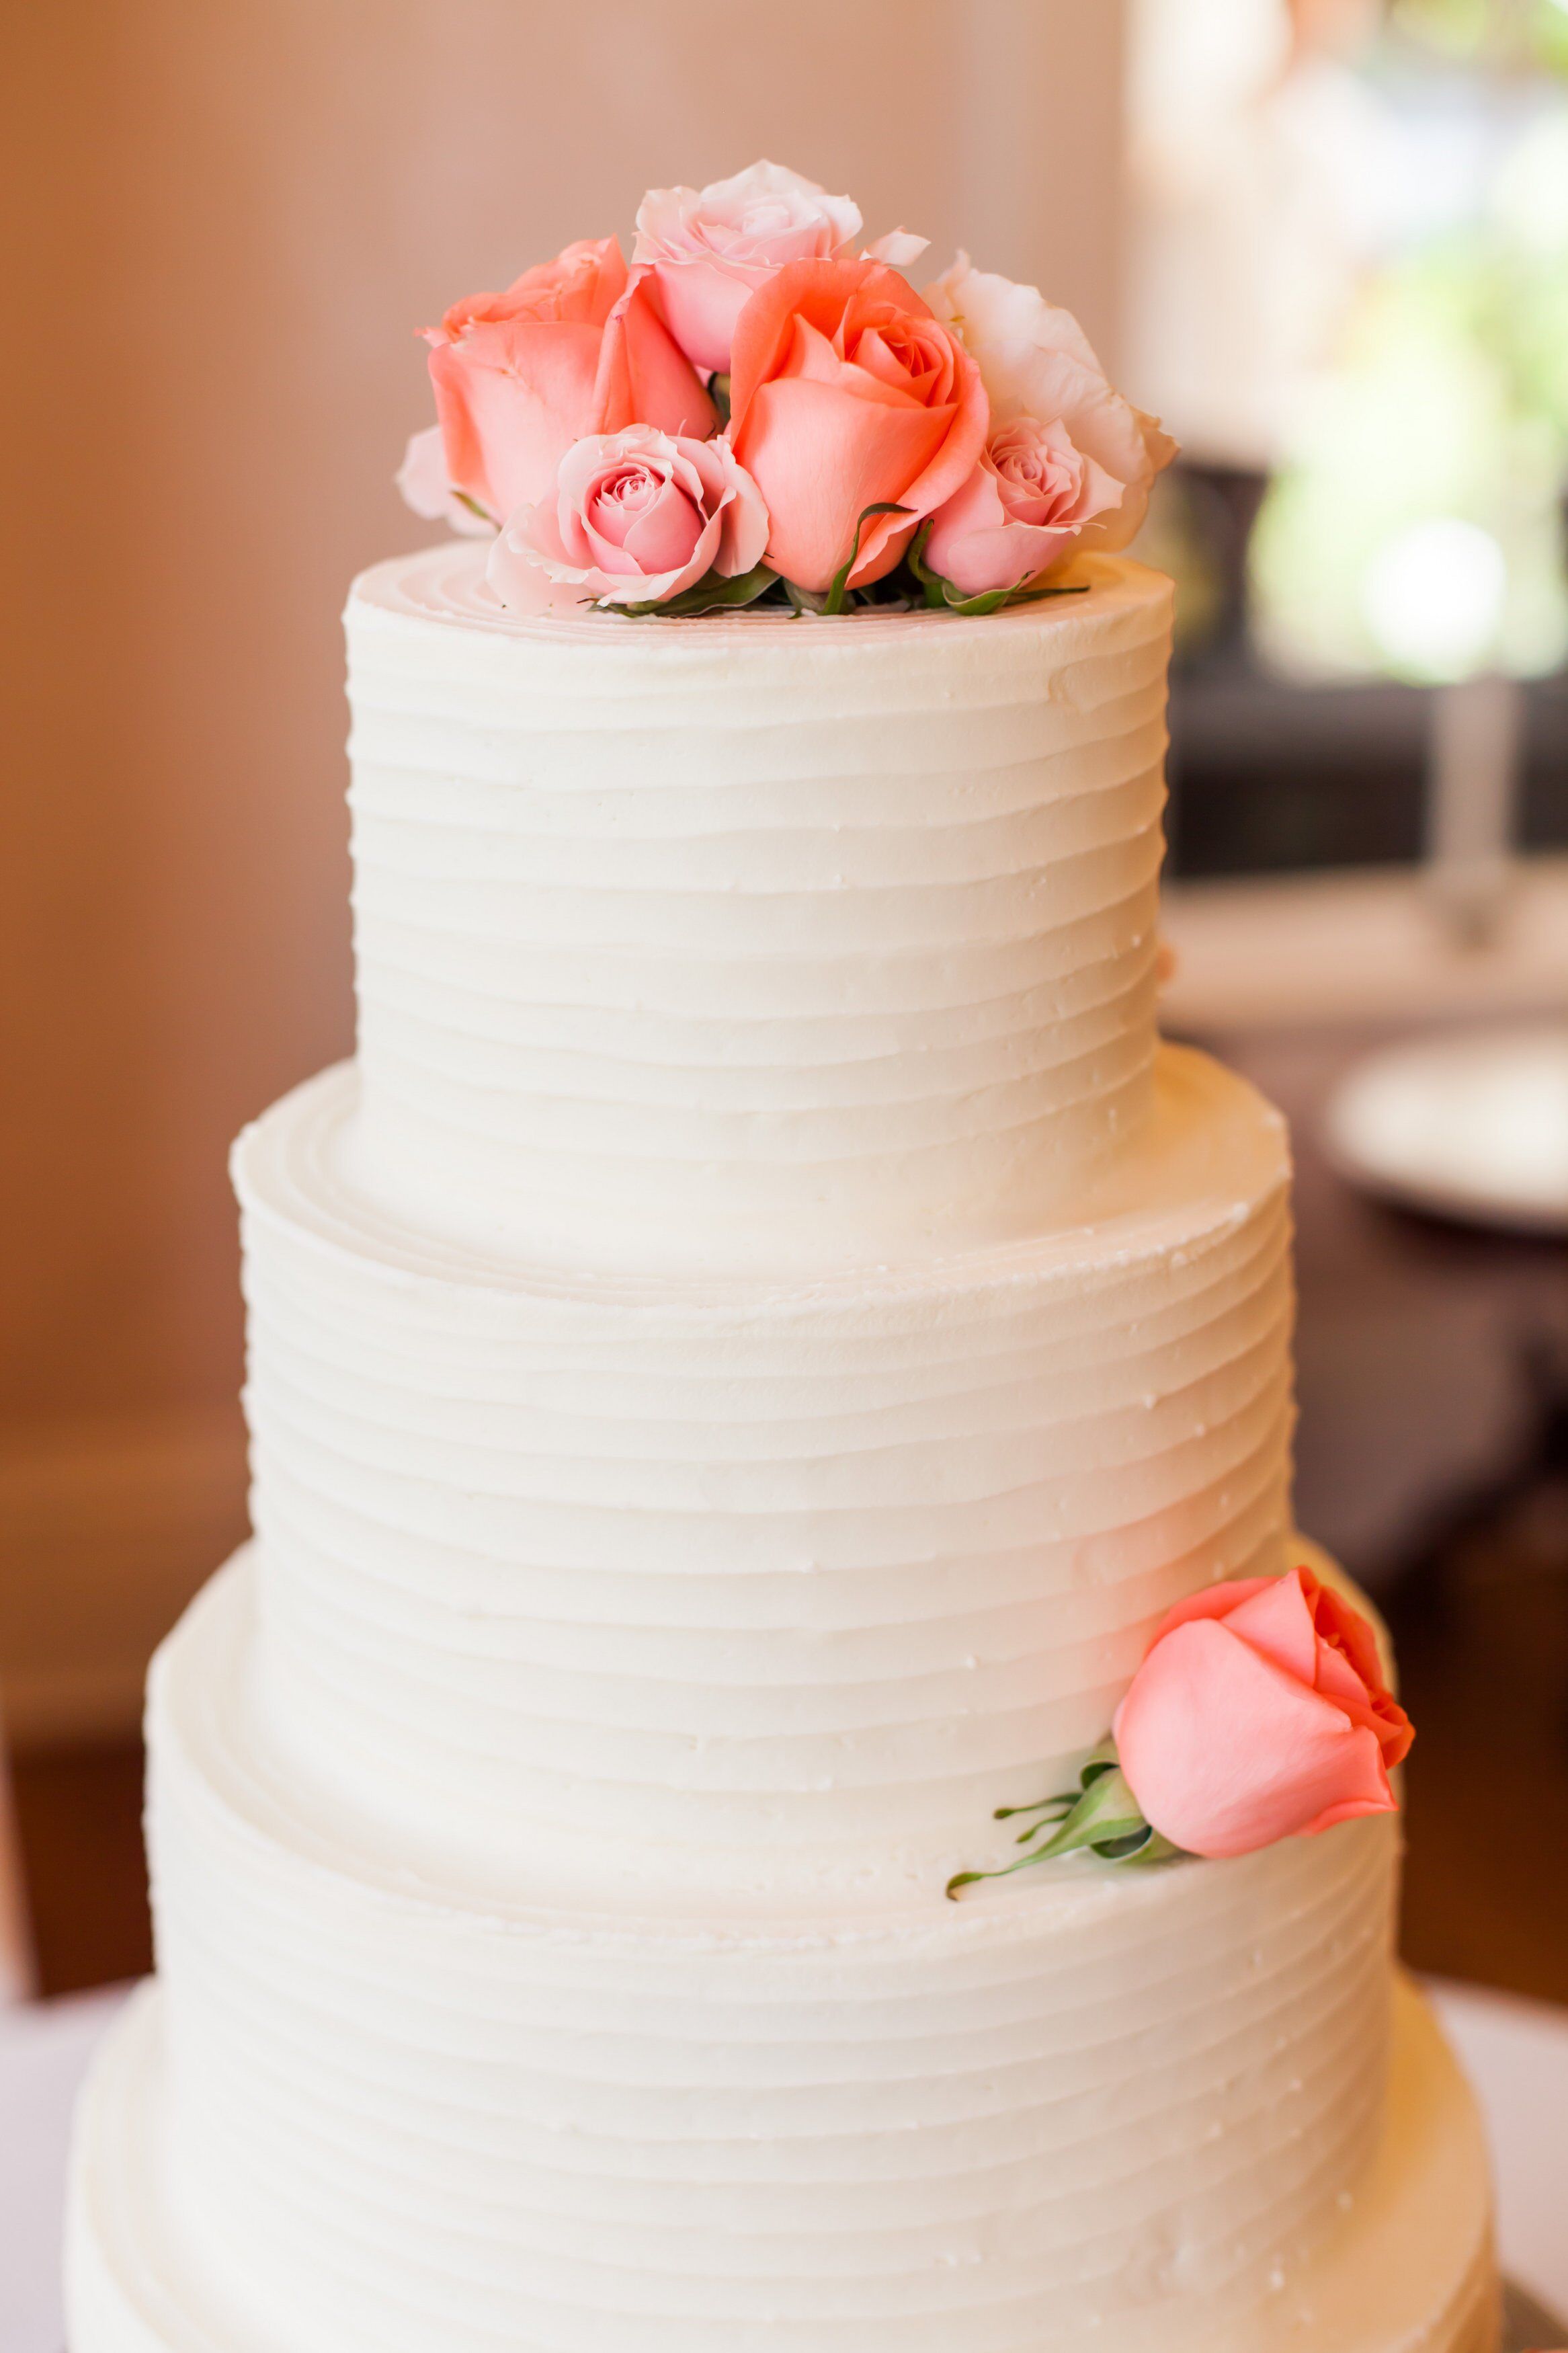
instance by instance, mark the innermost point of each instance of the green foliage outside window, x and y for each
(1521, 33)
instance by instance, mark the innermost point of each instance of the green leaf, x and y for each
(994, 598)
(805, 600)
(1034, 596)
(915, 557)
(474, 507)
(719, 394)
(990, 602)
(839, 585)
(712, 594)
(718, 595)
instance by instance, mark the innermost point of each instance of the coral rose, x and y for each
(573, 347)
(846, 391)
(711, 249)
(638, 517)
(1037, 361)
(1026, 503)
(1260, 1713)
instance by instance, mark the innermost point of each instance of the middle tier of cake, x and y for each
(643, 1590)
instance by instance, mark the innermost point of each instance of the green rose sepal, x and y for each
(1100, 1817)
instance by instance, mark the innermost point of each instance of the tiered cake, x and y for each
(740, 1367)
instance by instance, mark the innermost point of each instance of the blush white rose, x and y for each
(709, 250)
(1036, 364)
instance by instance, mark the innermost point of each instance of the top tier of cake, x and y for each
(751, 943)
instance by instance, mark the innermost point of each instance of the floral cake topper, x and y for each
(760, 406)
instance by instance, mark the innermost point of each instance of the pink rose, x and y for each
(1028, 502)
(1038, 363)
(1260, 1713)
(637, 518)
(711, 249)
(573, 347)
(846, 391)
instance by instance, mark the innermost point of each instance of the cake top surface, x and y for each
(448, 584)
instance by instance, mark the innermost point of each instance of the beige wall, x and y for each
(234, 212)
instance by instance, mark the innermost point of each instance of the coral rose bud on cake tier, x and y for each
(1260, 1713)
(849, 394)
(1036, 362)
(573, 346)
(637, 518)
(1025, 505)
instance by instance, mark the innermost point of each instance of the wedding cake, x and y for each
(773, 1779)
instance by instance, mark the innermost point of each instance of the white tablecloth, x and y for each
(1517, 2052)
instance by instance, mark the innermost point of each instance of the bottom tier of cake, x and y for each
(368, 2114)
(1410, 2272)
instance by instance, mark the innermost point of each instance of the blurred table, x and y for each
(1431, 1358)
(44, 2050)
(1516, 2053)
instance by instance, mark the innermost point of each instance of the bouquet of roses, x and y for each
(760, 408)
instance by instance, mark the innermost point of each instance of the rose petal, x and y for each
(510, 400)
(1213, 1601)
(897, 247)
(423, 480)
(665, 535)
(701, 304)
(1278, 1621)
(976, 546)
(729, 492)
(1345, 1627)
(820, 456)
(658, 588)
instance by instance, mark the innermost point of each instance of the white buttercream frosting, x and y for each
(1118, 2109)
(773, 1593)
(737, 1373)
(756, 941)
(1407, 2268)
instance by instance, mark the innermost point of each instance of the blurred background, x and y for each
(1328, 242)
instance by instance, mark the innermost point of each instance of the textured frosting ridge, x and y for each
(753, 941)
